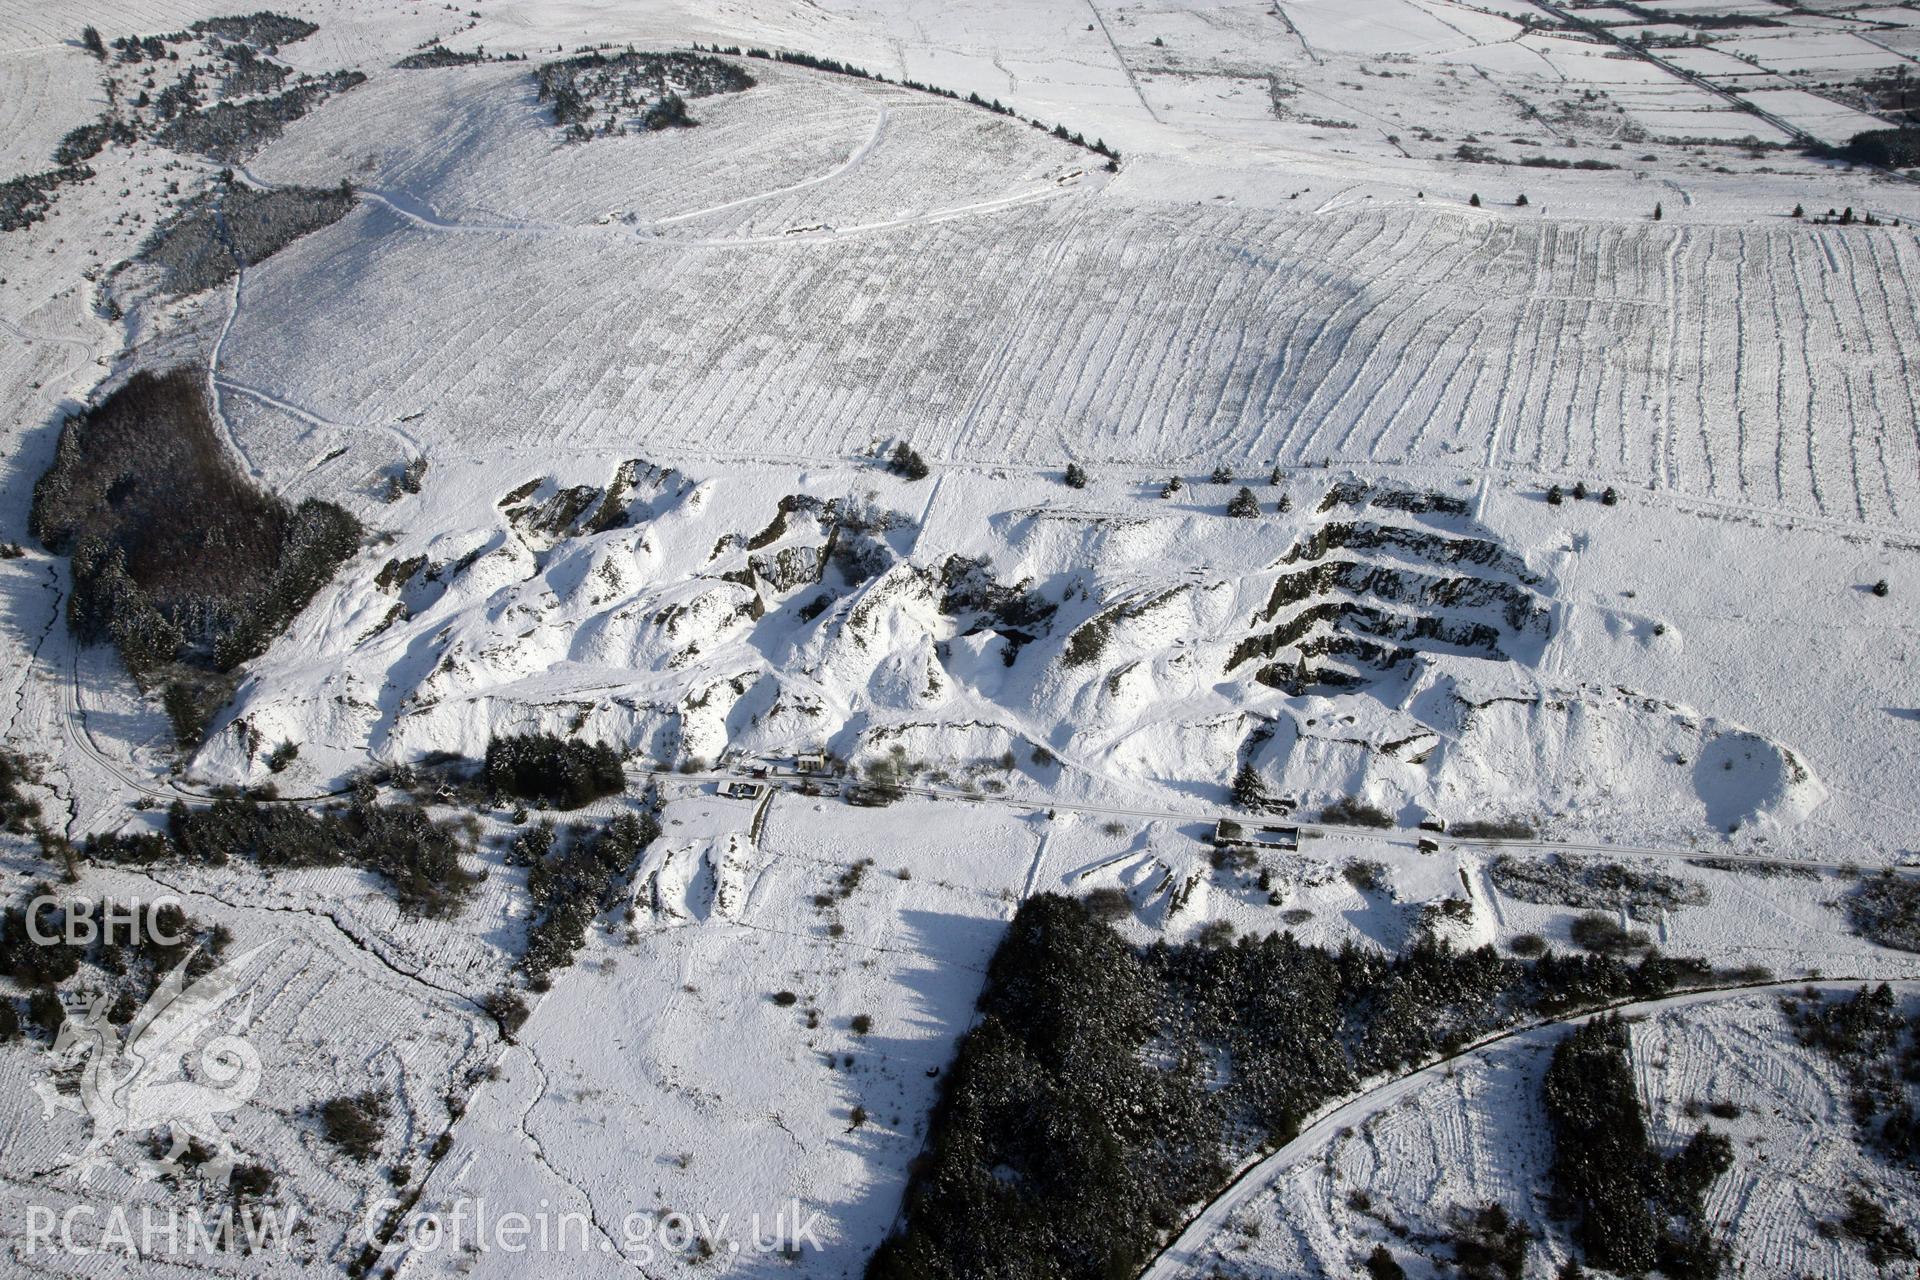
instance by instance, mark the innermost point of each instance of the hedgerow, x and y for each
(835, 67)
(417, 857)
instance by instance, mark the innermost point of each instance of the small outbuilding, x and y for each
(1228, 834)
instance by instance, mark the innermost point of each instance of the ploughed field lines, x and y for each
(1761, 367)
(43, 93)
(33, 25)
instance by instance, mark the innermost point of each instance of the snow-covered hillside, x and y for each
(1464, 444)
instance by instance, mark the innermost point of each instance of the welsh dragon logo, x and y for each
(146, 1083)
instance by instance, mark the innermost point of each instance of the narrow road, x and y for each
(1393, 836)
(1641, 51)
(74, 728)
(1746, 105)
(1187, 1249)
(1121, 59)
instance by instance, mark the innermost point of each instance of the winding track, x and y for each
(852, 162)
(424, 216)
(74, 728)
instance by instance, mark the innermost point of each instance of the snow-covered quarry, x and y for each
(892, 639)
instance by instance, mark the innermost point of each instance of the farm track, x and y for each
(423, 216)
(852, 162)
(215, 385)
(77, 733)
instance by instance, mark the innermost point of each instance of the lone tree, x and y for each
(1880, 588)
(670, 112)
(1244, 504)
(906, 461)
(1657, 213)
(355, 1122)
(1474, 199)
(1221, 475)
(1249, 790)
(1382, 1266)
(1173, 486)
(1076, 476)
(1520, 201)
(90, 40)
(1553, 496)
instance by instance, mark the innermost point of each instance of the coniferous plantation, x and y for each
(18, 810)
(554, 772)
(571, 886)
(179, 560)
(1078, 1121)
(133, 962)
(229, 131)
(437, 55)
(1635, 1210)
(234, 226)
(1876, 1044)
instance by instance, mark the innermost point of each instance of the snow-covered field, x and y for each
(1398, 267)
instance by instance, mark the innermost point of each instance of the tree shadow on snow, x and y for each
(897, 1080)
